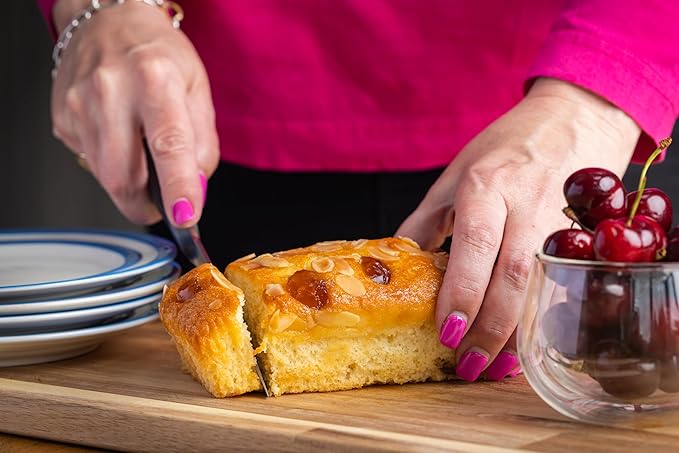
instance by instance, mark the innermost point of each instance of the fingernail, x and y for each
(182, 211)
(203, 184)
(502, 366)
(470, 365)
(516, 372)
(452, 330)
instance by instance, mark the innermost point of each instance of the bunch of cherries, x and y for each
(615, 225)
(618, 324)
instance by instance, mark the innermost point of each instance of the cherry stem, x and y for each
(568, 211)
(664, 143)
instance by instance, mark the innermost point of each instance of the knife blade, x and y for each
(187, 239)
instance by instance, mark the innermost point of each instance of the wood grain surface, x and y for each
(17, 444)
(131, 394)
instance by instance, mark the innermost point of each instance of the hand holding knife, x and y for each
(187, 239)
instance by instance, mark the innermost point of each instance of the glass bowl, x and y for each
(599, 342)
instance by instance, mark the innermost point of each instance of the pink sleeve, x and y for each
(46, 10)
(626, 51)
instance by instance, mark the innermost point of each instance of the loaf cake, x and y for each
(332, 316)
(203, 313)
(341, 315)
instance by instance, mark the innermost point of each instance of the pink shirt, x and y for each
(388, 85)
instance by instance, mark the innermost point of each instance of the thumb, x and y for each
(430, 224)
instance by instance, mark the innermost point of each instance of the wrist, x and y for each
(590, 116)
(126, 12)
(589, 105)
(64, 11)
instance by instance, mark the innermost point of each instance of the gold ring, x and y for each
(175, 12)
(82, 161)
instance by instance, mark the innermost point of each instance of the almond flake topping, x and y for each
(343, 267)
(322, 265)
(279, 322)
(408, 247)
(358, 243)
(268, 260)
(291, 252)
(409, 241)
(388, 250)
(350, 285)
(251, 265)
(336, 319)
(378, 253)
(326, 247)
(338, 242)
(223, 281)
(245, 258)
(274, 289)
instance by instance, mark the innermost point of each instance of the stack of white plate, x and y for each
(62, 293)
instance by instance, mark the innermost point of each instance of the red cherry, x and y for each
(659, 338)
(673, 245)
(562, 331)
(643, 240)
(669, 375)
(654, 204)
(653, 328)
(621, 374)
(606, 300)
(570, 243)
(595, 194)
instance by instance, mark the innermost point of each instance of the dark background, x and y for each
(40, 182)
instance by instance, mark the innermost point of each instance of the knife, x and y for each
(187, 239)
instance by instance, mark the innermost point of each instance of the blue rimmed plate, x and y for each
(48, 347)
(76, 319)
(137, 287)
(39, 263)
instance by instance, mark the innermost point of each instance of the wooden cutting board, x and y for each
(131, 394)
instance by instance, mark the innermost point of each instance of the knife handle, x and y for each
(153, 183)
(187, 239)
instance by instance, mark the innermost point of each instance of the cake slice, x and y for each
(203, 313)
(340, 315)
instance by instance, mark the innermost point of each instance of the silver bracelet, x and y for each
(174, 11)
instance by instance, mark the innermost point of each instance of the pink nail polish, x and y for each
(203, 184)
(502, 366)
(516, 372)
(470, 366)
(182, 211)
(452, 331)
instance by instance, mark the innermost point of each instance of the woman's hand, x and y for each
(500, 198)
(127, 70)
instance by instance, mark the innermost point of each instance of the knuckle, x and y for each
(57, 131)
(62, 133)
(211, 161)
(59, 128)
(479, 235)
(468, 288)
(169, 142)
(115, 186)
(497, 330)
(479, 177)
(153, 69)
(103, 82)
(137, 211)
(73, 101)
(516, 271)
